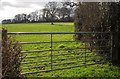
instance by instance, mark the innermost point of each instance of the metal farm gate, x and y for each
(48, 51)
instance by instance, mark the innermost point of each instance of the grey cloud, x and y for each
(14, 5)
(21, 4)
(25, 3)
(36, 0)
(17, 5)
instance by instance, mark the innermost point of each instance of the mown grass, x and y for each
(102, 70)
(40, 27)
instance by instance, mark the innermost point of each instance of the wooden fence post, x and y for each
(4, 37)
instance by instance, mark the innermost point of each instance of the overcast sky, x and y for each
(9, 8)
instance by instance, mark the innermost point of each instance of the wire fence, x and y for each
(48, 51)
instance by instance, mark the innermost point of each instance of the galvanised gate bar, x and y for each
(54, 53)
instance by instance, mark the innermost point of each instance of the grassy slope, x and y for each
(90, 71)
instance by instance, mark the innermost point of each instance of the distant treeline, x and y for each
(52, 12)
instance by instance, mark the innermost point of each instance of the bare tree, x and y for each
(45, 14)
(33, 16)
(20, 18)
(51, 9)
(40, 15)
(65, 11)
(23, 18)
(17, 18)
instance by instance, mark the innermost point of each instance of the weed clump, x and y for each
(61, 46)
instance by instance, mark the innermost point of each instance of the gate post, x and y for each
(4, 37)
(115, 29)
(115, 48)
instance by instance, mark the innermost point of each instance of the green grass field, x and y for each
(40, 27)
(101, 70)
